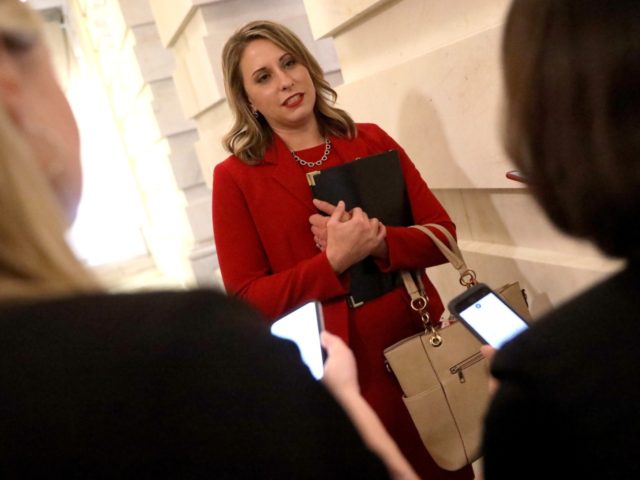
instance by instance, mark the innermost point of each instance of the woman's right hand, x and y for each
(350, 241)
(319, 221)
(340, 371)
(341, 379)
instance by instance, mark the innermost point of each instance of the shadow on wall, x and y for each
(420, 124)
(472, 209)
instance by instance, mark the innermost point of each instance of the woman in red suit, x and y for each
(278, 249)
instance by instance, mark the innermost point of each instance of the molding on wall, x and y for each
(548, 278)
(172, 15)
(597, 265)
(328, 17)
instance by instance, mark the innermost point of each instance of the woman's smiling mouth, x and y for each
(294, 100)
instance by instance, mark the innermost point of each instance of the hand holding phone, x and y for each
(487, 316)
(303, 326)
(340, 370)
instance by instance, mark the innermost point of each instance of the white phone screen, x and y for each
(303, 326)
(493, 320)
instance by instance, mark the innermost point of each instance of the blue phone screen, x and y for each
(493, 320)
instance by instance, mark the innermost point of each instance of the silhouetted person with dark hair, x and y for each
(568, 395)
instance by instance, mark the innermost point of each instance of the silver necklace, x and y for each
(325, 155)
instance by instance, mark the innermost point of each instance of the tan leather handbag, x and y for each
(441, 371)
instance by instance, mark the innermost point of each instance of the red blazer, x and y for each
(264, 243)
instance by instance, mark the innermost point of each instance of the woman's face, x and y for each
(32, 95)
(277, 86)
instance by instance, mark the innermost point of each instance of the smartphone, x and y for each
(487, 316)
(303, 326)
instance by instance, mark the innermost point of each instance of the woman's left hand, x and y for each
(319, 222)
(319, 227)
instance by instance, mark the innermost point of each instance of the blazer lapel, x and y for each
(287, 173)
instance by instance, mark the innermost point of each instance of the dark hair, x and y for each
(249, 136)
(572, 119)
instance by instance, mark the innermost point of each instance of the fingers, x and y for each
(359, 215)
(318, 220)
(328, 209)
(337, 213)
(328, 340)
(382, 231)
(381, 251)
(319, 230)
(323, 206)
(332, 342)
(348, 242)
(488, 352)
(375, 224)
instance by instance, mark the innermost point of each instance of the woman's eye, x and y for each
(289, 63)
(17, 41)
(262, 78)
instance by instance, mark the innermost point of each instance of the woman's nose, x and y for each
(286, 82)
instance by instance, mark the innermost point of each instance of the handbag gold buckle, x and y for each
(468, 278)
(435, 339)
(419, 304)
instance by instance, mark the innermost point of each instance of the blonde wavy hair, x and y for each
(250, 136)
(35, 259)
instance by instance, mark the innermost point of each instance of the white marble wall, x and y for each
(158, 138)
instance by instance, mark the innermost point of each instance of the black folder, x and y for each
(374, 183)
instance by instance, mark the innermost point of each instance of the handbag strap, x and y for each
(419, 302)
(413, 282)
(452, 252)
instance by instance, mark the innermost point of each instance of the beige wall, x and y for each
(433, 66)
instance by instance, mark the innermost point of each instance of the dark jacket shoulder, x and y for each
(178, 384)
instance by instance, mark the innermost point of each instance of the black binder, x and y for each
(374, 183)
